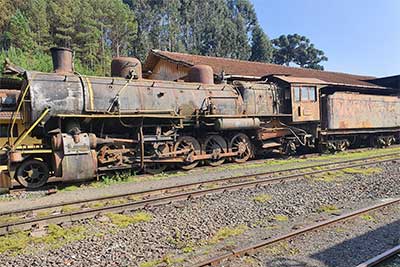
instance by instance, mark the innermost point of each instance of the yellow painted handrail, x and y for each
(30, 129)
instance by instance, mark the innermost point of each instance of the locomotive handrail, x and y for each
(14, 117)
(116, 98)
(30, 129)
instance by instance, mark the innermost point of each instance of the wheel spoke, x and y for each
(32, 173)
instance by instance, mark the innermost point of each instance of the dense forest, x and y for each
(98, 30)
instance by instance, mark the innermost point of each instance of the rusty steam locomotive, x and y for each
(87, 126)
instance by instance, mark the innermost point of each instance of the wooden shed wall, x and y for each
(167, 71)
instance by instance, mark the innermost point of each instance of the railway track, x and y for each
(54, 183)
(243, 251)
(32, 218)
(375, 261)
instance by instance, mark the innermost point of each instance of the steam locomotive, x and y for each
(87, 126)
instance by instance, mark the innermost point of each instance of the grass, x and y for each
(272, 227)
(329, 177)
(122, 220)
(56, 237)
(44, 213)
(113, 202)
(363, 171)
(127, 177)
(69, 188)
(282, 248)
(262, 198)
(368, 218)
(8, 219)
(250, 261)
(342, 156)
(226, 232)
(97, 204)
(134, 198)
(330, 209)
(276, 164)
(69, 209)
(281, 218)
(340, 230)
(188, 249)
(14, 243)
(165, 261)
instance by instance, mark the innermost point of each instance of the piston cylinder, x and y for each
(237, 123)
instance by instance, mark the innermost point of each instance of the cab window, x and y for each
(305, 94)
(297, 94)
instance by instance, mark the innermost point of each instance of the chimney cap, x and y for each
(61, 48)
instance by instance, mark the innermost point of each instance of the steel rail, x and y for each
(256, 246)
(57, 181)
(168, 189)
(381, 257)
(60, 218)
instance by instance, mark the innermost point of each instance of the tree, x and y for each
(88, 35)
(121, 26)
(19, 33)
(261, 48)
(37, 15)
(62, 16)
(299, 50)
(212, 27)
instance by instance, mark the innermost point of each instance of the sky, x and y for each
(358, 36)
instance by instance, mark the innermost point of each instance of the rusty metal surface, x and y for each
(261, 98)
(71, 94)
(10, 83)
(201, 74)
(60, 93)
(126, 67)
(355, 111)
(381, 257)
(304, 109)
(144, 96)
(79, 167)
(5, 180)
(76, 161)
(270, 133)
(237, 123)
(62, 60)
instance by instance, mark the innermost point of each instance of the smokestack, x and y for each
(62, 60)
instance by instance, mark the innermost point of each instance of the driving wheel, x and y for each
(240, 143)
(32, 174)
(187, 147)
(215, 145)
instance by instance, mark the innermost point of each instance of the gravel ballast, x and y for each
(343, 244)
(187, 229)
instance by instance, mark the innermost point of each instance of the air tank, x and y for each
(201, 74)
(126, 67)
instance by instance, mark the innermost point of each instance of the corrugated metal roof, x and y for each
(249, 68)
